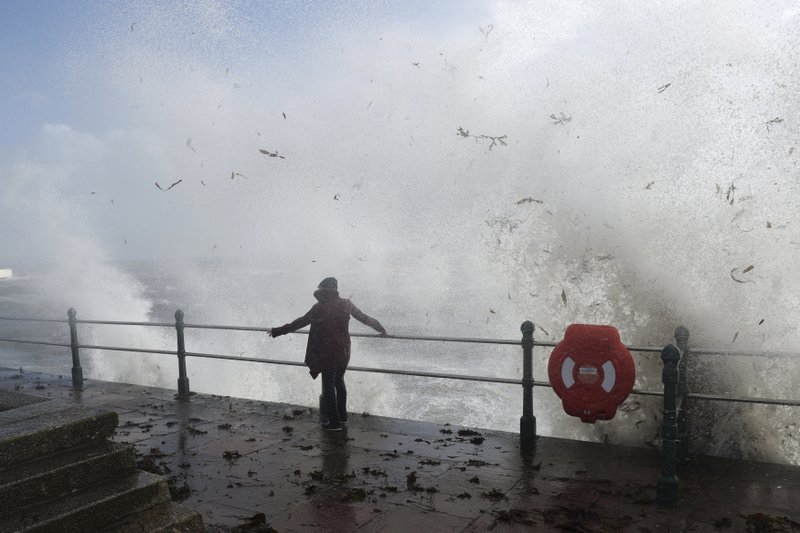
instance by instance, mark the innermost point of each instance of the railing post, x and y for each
(77, 371)
(667, 486)
(527, 424)
(682, 341)
(183, 380)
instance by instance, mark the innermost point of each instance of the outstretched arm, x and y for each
(368, 320)
(301, 322)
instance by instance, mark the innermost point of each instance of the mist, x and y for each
(559, 162)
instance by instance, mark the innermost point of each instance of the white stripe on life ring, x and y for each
(566, 372)
(609, 376)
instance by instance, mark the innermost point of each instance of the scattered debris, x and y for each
(758, 522)
(737, 280)
(513, 516)
(168, 188)
(729, 193)
(776, 120)
(760, 321)
(189, 145)
(486, 33)
(270, 154)
(255, 524)
(494, 495)
(354, 495)
(564, 296)
(560, 119)
(465, 133)
(735, 336)
(528, 200)
(231, 455)
(748, 269)
(663, 88)
(234, 174)
(649, 185)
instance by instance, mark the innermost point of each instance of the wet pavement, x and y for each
(251, 466)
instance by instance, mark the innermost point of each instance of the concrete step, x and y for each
(164, 518)
(91, 509)
(42, 429)
(63, 473)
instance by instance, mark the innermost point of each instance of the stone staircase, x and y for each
(60, 473)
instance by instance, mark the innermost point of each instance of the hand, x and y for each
(276, 332)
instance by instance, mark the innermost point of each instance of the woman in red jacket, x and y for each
(328, 349)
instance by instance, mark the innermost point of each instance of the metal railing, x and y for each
(675, 393)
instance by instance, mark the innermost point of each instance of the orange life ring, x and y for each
(591, 371)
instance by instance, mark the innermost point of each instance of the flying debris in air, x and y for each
(234, 174)
(663, 88)
(564, 296)
(776, 120)
(132, 25)
(745, 271)
(284, 116)
(649, 185)
(336, 196)
(416, 64)
(528, 200)
(271, 154)
(189, 144)
(168, 188)
(203, 182)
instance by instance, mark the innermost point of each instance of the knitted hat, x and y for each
(329, 284)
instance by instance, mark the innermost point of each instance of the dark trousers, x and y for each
(334, 395)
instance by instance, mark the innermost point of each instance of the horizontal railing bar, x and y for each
(692, 351)
(33, 319)
(359, 368)
(122, 323)
(36, 342)
(744, 399)
(121, 349)
(233, 328)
